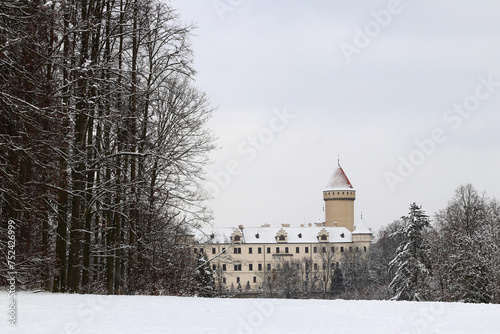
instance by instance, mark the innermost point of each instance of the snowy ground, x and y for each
(61, 313)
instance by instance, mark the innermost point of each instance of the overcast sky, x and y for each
(407, 92)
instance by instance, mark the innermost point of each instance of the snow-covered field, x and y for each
(62, 313)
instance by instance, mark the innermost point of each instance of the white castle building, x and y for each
(239, 255)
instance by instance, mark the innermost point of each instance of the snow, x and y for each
(339, 181)
(64, 313)
(267, 235)
(361, 228)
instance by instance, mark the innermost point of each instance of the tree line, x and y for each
(102, 143)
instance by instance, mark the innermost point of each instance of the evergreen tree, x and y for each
(412, 261)
(337, 285)
(204, 277)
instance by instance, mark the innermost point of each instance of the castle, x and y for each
(239, 256)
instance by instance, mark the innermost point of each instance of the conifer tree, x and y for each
(412, 261)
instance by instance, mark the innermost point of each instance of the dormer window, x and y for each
(257, 236)
(237, 236)
(281, 236)
(300, 235)
(323, 235)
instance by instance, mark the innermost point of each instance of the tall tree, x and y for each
(412, 261)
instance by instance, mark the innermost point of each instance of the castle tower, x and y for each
(339, 197)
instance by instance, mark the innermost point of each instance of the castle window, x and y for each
(297, 250)
(213, 251)
(224, 280)
(237, 238)
(282, 238)
(364, 248)
(259, 250)
(300, 235)
(268, 250)
(268, 266)
(250, 250)
(250, 267)
(237, 250)
(257, 236)
(315, 249)
(307, 250)
(324, 267)
(286, 250)
(333, 249)
(277, 250)
(324, 250)
(237, 279)
(315, 266)
(259, 266)
(195, 250)
(214, 267)
(255, 279)
(323, 237)
(341, 249)
(224, 267)
(350, 248)
(237, 267)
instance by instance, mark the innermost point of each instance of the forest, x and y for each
(103, 139)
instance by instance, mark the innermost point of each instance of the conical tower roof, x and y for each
(339, 180)
(361, 227)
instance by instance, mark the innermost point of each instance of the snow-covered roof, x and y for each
(361, 228)
(267, 235)
(339, 180)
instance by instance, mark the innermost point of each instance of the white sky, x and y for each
(256, 59)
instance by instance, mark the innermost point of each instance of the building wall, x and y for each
(339, 208)
(243, 265)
